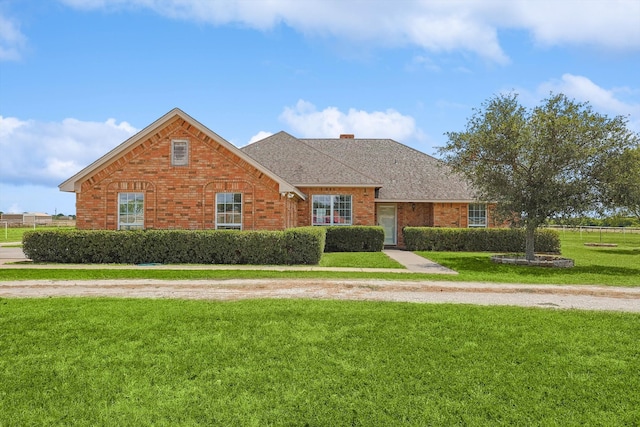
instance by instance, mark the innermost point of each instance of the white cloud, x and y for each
(35, 198)
(12, 41)
(436, 26)
(604, 100)
(48, 153)
(9, 125)
(259, 136)
(307, 122)
(610, 24)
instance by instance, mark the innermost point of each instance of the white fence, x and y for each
(5, 225)
(595, 229)
(601, 234)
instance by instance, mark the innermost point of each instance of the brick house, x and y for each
(178, 174)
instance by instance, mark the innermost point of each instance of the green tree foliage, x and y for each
(536, 163)
(620, 178)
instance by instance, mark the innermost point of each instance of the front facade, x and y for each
(178, 174)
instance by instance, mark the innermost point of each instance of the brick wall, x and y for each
(181, 197)
(456, 215)
(450, 215)
(413, 215)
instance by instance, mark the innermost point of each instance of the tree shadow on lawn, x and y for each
(613, 251)
(606, 270)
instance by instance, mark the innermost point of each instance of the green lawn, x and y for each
(14, 234)
(318, 363)
(359, 260)
(617, 266)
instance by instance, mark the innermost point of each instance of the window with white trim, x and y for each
(477, 215)
(130, 211)
(229, 211)
(331, 209)
(179, 153)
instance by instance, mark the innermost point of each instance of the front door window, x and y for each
(387, 219)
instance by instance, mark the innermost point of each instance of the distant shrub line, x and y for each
(477, 239)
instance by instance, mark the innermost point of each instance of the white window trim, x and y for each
(225, 225)
(475, 225)
(129, 225)
(331, 209)
(184, 161)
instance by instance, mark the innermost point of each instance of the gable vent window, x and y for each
(179, 153)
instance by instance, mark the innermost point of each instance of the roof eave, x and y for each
(340, 185)
(288, 188)
(425, 201)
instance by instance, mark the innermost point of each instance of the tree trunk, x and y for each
(528, 246)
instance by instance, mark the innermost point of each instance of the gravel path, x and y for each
(544, 296)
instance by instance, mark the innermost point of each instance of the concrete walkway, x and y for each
(412, 263)
(415, 263)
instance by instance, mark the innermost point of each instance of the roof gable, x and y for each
(74, 183)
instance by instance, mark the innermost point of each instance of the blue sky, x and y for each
(78, 77)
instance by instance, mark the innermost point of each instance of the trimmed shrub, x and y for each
(354, 239)
(478, 239)
(303, 245)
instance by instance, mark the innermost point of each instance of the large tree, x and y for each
(536, 163)
(620, 177)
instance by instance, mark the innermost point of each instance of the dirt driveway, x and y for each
(544, 296)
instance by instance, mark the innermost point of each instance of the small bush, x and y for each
(354, 239)
(303, 245)
(478, 239)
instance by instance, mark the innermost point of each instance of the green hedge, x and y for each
(478, 239)
(354, 239)
(303, 245)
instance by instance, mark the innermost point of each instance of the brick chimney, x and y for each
(347, 136)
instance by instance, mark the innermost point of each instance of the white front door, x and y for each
(388, 220)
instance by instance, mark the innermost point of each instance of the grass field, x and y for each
(614, 266)
(316, 363)
(14, 234)
(617, 266)
(359, 260)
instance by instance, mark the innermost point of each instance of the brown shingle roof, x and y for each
(304, 165)
(406, 174)
(403, 173)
